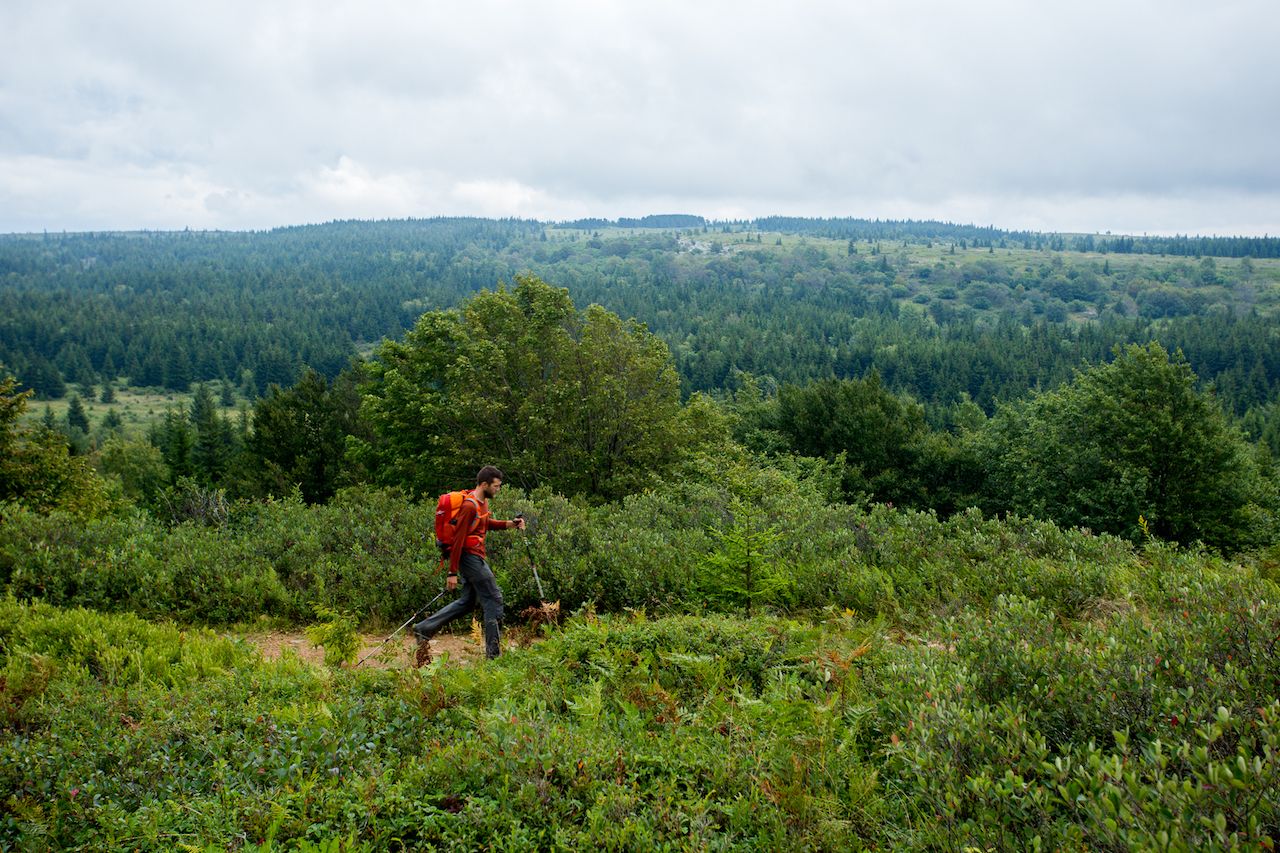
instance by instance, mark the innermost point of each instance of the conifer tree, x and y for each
(76, 416)
(744, 569)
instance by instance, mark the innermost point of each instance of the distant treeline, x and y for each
(587, 404)
(848, 228)
(978, 236)
(666, 220)
(845, 228)
(171, 308)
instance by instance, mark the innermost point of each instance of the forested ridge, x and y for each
(168, 309)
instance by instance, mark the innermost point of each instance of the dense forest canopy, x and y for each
(941, 311)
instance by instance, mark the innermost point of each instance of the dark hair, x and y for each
(488, 474)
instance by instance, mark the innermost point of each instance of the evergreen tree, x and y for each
(76, 416)
(743, 570)
(45, 379)
(214, 443)
(36, 470)
(299, 435)
(173, 437)
(178, 372)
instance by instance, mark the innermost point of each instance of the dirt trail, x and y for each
(397, 654)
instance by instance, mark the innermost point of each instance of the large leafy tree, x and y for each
(1128, 440)
(879, 434)
(582, 401)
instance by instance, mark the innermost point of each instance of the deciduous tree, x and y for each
(583, 401)
(1129, 439)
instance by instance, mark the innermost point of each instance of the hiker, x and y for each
(467, 557)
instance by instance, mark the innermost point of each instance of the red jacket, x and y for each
(473, 517)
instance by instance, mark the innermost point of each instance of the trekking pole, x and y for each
(529, 550)
(402, 627)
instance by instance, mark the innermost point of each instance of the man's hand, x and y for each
(451, 583)
(519, 522)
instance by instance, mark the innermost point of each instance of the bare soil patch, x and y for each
(397, 654)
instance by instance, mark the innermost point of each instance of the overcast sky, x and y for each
(1126, 116)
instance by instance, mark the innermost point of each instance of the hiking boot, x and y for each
(423, 655)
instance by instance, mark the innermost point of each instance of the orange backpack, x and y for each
(446, 517)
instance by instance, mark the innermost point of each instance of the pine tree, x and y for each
(173, 437)
(45, 379)
(743, 570)
(214, 443)
(76, 417)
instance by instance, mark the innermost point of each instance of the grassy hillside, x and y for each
(912, 683)
(1149, 721)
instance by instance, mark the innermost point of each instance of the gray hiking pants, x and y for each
(478, 584)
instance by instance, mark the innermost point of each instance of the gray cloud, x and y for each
(1136, 116)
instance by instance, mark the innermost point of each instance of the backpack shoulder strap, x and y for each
(470, 497)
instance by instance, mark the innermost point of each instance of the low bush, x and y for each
(371, 552)
(1007, 728)
(1026, 731)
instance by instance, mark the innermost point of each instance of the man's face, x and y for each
(490, 489)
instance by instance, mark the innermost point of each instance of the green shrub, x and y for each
(116, 650)
(371, 552)
(1037, 732)
(1010, 728)
(336, 634)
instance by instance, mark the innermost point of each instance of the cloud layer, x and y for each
(1134, 117)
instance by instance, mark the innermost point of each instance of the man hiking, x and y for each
(467, 557)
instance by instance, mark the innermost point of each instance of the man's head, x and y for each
(489, 481)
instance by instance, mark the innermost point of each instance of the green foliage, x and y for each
(616, 735)
(585, 402)
(299, 436)
(189, 501)
(41, 645)
(874, 429)
(1127, 439)
(367, 552)
(336, 634)
(36, 469)
(937, 328)
(137, 465)
(1120, 734)
(215, 444)
(1002, 728)
(743, 569)
(370, 552)
(256, 307)
(76, 416)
